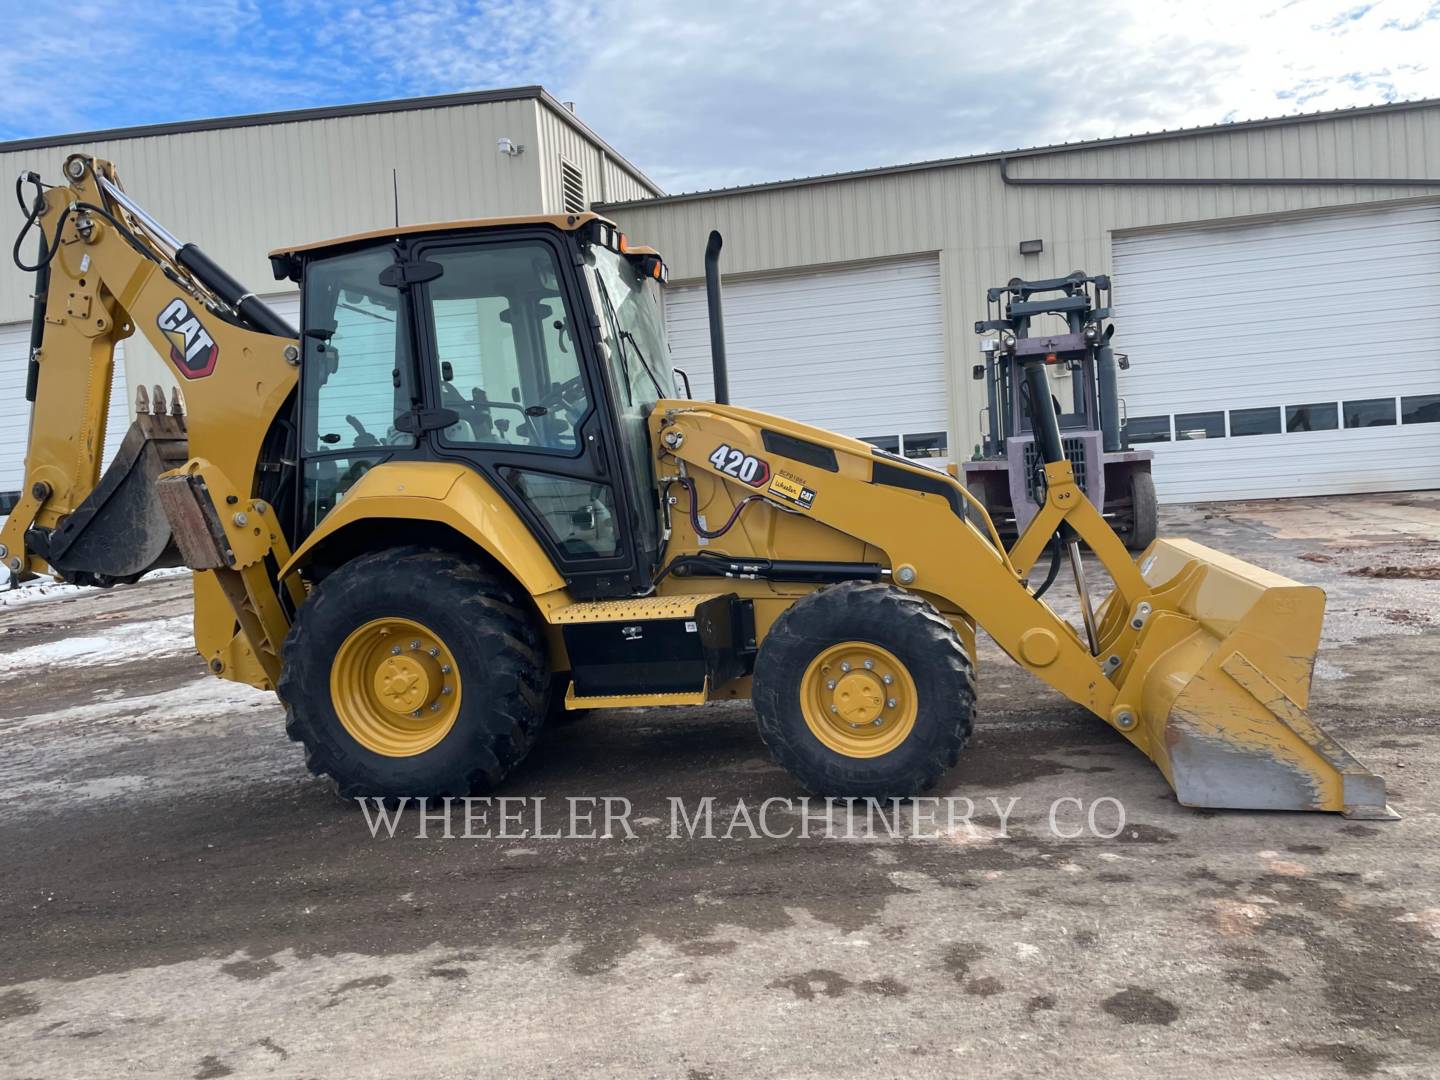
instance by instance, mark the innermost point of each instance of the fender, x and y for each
(450, 494)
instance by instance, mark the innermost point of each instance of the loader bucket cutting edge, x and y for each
(1221, 676)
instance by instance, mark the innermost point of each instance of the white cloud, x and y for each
(705, 95)
(708, 94)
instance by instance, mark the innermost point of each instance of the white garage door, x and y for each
(1296, 357)
(860, 351)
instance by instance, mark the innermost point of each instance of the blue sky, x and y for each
(706, 94)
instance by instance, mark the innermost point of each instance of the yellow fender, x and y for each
(449, 494)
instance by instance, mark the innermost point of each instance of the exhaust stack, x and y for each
(717, 317)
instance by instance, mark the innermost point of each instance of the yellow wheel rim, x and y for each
(858, 699)
(395, 687)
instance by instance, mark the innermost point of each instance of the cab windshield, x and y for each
(634, 330)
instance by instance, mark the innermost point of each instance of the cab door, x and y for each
(508, 367)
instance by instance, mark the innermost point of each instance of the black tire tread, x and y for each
(1144, 512)
(513, 652)
(881, 609)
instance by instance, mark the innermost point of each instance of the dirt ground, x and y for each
(179, 898)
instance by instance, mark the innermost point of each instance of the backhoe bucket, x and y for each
(1220, 671)
(120, 531)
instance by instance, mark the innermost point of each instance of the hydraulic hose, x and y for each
(1054, 570)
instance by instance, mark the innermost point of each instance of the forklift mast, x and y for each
(1008, 472)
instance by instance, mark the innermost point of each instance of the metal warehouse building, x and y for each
(1277, 282)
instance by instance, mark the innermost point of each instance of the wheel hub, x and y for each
(404, 684)
(858, 699)
(395, 687)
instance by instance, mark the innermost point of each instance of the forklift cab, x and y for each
(1007, 473)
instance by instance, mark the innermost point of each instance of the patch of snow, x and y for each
(128, 642)
(206, 699)
(45, 588)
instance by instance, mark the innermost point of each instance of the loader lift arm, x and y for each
(193, 481)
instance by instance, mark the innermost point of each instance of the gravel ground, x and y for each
(179, 898)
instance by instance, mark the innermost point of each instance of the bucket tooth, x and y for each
(1222, 674)
(159, 401)
(142, 400)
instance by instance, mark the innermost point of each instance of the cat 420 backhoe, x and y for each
(466, 495)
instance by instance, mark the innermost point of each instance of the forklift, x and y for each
(1007, 473)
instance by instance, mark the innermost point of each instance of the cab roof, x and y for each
(559, 221)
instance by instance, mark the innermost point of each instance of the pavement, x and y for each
(179, 898)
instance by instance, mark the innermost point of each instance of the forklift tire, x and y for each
(438, 668)
(864, 690)
(1144, 513)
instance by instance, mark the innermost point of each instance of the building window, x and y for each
(1143, 429)
(1421, 409)
(8, 499)
(1318, 416)
(1255, 421)
(928, 444)
(1371, 412)
(888, 443)
(1200, 425)
(572, 188)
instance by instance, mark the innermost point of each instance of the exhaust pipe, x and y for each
(717, 317)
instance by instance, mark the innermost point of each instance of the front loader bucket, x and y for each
(120, 530)
(1220, 670)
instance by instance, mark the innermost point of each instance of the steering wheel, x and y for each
(561, 393)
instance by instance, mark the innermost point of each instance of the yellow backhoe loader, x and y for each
(465, 495)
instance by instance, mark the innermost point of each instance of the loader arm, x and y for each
(1200, 660)
(187, 485)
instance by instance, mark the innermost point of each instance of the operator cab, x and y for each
(531, 349)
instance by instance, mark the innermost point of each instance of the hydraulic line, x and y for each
(700, 530)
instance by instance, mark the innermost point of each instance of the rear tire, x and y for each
(864, 690)
(1144, 512)
(479, 713)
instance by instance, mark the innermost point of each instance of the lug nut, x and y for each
(890, 704)
(879, 720)
(835, 708)
(887, 679)
(869, 665)
(434, 651)
(445, 690)
(414, 644)
(435, 706)
(830, 685)
(845, 665)
(444, 669)
(395, 650)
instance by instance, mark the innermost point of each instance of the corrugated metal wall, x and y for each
(976, 222)
(605, 179)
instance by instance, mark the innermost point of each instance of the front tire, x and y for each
(864, 690)
(1144, 512)
(414, 671)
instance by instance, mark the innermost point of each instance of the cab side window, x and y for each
(357, 369)
(509, 367)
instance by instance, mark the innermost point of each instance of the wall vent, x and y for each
(572, 188)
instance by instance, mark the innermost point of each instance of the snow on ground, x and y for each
(44, 588)
(122, 645)
(206, 698)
